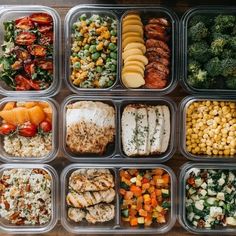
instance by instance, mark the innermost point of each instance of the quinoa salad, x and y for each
(25, 196)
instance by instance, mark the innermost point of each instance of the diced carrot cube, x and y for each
(158, 171)
(142, 212)
(128, 195)
(133, 221)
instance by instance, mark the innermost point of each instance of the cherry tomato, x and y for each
(44, 28)
(46, 38)
(45, 126)
(25, 38)
(28, 130)
(45, 65)
(37, 50)
(41, 18)
(24, 23)
(6, 129)
(29, 68)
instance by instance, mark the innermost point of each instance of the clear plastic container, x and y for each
(114, 151)
(210, 11)
(118, 12)
(185, 103)
(7, 227)
(5, 157)
(115, 226)
(12, 12)
(186, 169)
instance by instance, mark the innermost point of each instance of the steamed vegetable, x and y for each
(212, 52)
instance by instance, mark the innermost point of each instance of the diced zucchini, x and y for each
(195, 223)
(199, 205)
(211, 192)
(221, 203)
(198, 181)
(204, 185)
(221, 181)
(192, 191)
(197, 217)
(165, 193)
(140, 220)
(124, 185)
(211, 200)
(231, 177)
(220, 196)
(133, 180)
(166, 204)
(190, 216)
(203, 192)
(125, 213)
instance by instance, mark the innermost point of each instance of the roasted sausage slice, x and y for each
(150, 43)
(158, 66)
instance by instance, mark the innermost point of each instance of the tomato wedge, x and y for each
(25, 38)
(29, 68)
(28, 130)
(45, 65)
(23, 83)
(44, 28)
(45, 126)
(41, 18)
(37, 50)
(24, 23)
(6, 129)
(46, 38)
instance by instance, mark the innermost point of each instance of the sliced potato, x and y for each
(133, 68)
(131, 34)
(131, 40)
(136, 45)
(133, 80)
(133, 51)
(135, 63)
(132, 22)
(141, 58)
(132, 28)
(131, 16)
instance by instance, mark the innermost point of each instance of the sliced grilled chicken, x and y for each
(82, 200)
(84, 180)
(76, 214)
(128, 123)
(100, 213)
(166, 130)
(142, 130)
(157, 137)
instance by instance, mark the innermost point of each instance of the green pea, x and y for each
(83, 17)
(92, 48)
(113, 32)
(86, 53)
(77, 65)
(86, 47)
(74, 54)
(112, 67)
(112, 46)
(108, 59)
(95, 56)
(113, 55)
(99, 69)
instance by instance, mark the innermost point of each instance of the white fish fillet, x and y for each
(166, 130)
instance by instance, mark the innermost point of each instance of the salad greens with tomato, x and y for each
(27, 60)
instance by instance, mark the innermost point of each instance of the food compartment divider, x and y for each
(182, 132)
(119, 11)
(118, 156)
(118, 227)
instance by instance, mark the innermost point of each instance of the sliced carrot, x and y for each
(158, 192)
(133, 221)
(125, 174)
(142, 212)
(137, 191)
(154, 202)
(146, 186)
(128, 195)
(148, 208)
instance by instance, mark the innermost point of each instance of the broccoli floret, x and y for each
(198, 32)
(214, 67)
(217, 46)
(231, 83)
(200, 18)
(193, 66)
(229, 67)
(198, 79)
(199, 51)
(223, 23)
(232, 43)
(228, 53)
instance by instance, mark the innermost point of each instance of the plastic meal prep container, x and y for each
(5, 157)
(115, 226)
(13, 12)
(185, 171)
(118, 12)
(114, 152)
(185, 103)
(6, 227)
(210, 11)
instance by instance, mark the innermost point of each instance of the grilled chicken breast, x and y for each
(76, 214)
(82, 200)
(100, 213)
(84, 180)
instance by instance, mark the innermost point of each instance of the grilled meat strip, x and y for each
(159, 21)
(82, 200)
(84, 180)
(76, 214)
(155, 43)
(158, 66)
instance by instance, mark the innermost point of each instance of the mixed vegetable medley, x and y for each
(94, 51)
(212, 52)
(211, 128)
(210, 198)
(145, 196)
(27, 60)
